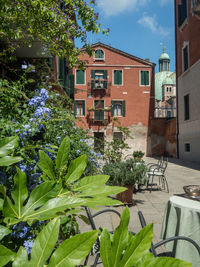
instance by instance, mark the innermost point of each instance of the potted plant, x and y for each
(138, 155)
(125, 173)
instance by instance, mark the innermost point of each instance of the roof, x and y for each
(99, 44)
(160, 79)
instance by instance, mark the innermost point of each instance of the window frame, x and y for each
(76, 77)
(185, 147)
(185, 45)
(113, 77)
(84, 107)
(99, 59)
(140, 77)
(187, 108)
(123, 110)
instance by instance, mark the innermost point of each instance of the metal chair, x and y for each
(93, 226)
(158, 170)
(162, 242)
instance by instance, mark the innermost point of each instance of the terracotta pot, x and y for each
(127, 196)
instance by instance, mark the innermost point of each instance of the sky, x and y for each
(138, 27)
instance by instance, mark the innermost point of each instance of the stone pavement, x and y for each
(152, 205)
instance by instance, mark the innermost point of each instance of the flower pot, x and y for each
(127, 196)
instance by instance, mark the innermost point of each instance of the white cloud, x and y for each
(151, 23)
(114, 7)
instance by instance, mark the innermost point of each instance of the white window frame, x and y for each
(80, 83)
(118, 100)
(76, 109)
(184, 46)
(99, 59)
(140, 78)
(122, 78)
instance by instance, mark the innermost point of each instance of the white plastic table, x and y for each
(182, 218)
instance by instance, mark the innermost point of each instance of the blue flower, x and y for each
(78, 151)
(22, 167)
(28, 245)
(24, 67)
(43, 112)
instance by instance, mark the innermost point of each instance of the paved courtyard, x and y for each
(152, 205)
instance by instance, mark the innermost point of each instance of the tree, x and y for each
(54, 23)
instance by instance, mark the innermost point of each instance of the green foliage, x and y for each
(126, 172)
(52, 24)
(138, 154)
(122, 249)
(6, 147)
(70, 253)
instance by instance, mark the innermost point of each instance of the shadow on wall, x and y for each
(161, 139)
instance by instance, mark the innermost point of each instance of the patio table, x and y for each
(182, 218)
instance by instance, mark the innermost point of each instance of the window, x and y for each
(185, 57)
(118, 108)
(186, 107)
(187, 147)
(99, 112)
(118, 136)
(182, 12)
(79, 107)
(80, 77)
(169, 114)
(99, 79)
(99, 54)
(99, 142)
(117, 77)
(144, 77)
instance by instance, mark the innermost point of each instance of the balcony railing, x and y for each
(196, 7)
(100, 86)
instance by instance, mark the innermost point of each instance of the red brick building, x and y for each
(187, 32)
(118, 85)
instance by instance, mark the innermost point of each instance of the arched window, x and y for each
(99, 54)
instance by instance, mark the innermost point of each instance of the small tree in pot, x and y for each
(125, 173)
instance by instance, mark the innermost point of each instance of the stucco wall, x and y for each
(162, 137)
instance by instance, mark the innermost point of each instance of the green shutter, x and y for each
(115, 77)
(92, 74)
(61, 70)
(74, 107)
(99, 114)
(71, 85)
(83, 107)
(118, 77)
(123, 109)
(105, 74)
(112, 108)
(142, 78)
(146, 78)
(80, 77)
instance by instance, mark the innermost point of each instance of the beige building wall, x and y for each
(189, 130)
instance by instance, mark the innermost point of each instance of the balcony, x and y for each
(196, 7)
(99, 87)
(98, 116)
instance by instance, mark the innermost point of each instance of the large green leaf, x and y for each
(44, 243)
(7, 145)
(101, 191)
(138, 247)
(105, 249)
(161, 262)
(89, 181)
(120, 238)
(21, 259)
(76, 169)
(8, 160)
(73, 250)
(54, 206)
(20, 192)
(62, 155)
(6, 255)
(3, 231)
(46, 165)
